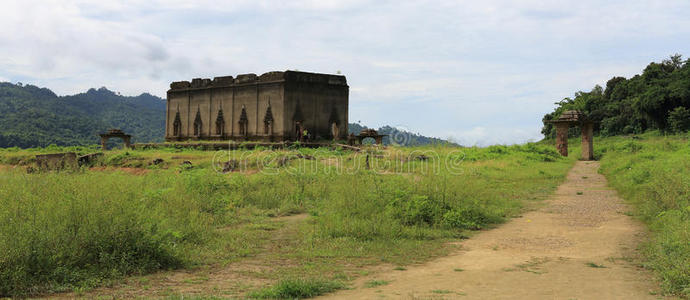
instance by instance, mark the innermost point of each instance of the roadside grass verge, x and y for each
(652, 172)
(88, 228)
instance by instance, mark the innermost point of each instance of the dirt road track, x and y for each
(580, 245)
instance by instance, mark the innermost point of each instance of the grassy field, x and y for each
(131, 214)
(653, 173)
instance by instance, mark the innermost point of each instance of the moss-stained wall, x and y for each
(320, 98)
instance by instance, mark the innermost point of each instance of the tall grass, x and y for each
(61, 230)
(653, 173)
(85, 228)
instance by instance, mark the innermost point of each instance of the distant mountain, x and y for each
(35, 117)
(399, 136)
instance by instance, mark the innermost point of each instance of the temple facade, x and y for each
(273, 107)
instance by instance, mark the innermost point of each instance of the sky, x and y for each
(476, 72)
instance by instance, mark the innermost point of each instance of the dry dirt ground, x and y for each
(579, 245)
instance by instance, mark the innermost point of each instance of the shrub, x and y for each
(472, 218)
(297, 289)
(416, 210)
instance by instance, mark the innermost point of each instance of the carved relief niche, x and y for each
(220, 123)
(177, 124)
(198, 124)
(244, 122)
(268, 121)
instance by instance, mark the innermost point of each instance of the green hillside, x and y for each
(657, 99)
(35, 117)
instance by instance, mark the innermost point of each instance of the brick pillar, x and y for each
(587, 144)
(562, 138)
(103, 141)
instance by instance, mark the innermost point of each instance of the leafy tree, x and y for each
(632, 105)
(679, 119)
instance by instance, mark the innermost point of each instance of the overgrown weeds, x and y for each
(63, 231)
(653, 174)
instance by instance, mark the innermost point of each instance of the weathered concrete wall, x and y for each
(320, 97)
(201, 104)
(222, 98)
(317, 104)
(177, 102)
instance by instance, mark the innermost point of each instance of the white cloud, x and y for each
(472, 70)
(485, 136)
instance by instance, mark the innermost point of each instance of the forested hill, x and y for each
(36, 117)
(658, 99)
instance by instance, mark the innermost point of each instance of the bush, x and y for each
(416, 210)
(470, 218)
(297, 289)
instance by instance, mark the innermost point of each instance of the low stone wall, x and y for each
(56, 161)
(65, 161)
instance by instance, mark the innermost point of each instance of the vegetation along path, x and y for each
(580, 245)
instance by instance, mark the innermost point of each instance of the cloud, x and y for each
(482, 71)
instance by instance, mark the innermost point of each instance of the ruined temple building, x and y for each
(276, 106)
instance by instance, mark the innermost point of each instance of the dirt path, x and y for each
(580, 245)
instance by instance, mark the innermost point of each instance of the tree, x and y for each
(633, 105)
(679, 119)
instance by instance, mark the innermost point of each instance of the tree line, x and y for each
(657, 99)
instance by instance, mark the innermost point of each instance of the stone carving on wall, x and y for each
(244, 122)
(197, 123)
(177, 125)
(268, 120)
(220, 123)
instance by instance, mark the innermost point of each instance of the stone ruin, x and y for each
(115, 133)
(64, 161)
(273, 107)
(366, 133)
(563, 123)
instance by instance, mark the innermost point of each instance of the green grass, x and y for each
(89, 227)
(652, 172)
(375, 283)
(297, 289)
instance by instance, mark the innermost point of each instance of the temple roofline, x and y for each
(253, 79)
